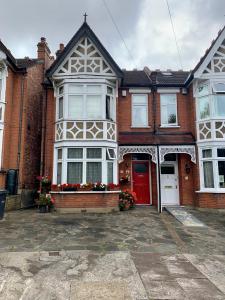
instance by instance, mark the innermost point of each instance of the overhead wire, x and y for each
(174, 34)
(118, 31)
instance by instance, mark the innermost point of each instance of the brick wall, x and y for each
(210, 200)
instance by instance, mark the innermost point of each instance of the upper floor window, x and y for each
(168, 109)
(139, 110)
(86, 102)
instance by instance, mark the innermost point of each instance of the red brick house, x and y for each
(21, 96)
(159, 133)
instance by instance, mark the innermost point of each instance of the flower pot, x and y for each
(43, 209)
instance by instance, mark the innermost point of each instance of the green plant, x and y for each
(127, 200)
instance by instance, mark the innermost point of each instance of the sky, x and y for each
(144, 25)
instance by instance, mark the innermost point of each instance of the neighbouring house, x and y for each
(21, 96)
(158, 133)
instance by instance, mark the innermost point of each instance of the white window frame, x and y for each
(65, 160)
(214, 159)
(133, 124)
(161, 105)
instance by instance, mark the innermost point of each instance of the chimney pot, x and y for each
(43, 39)
(61, 46)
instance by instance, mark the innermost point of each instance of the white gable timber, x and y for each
(84, 59)
(214, 62)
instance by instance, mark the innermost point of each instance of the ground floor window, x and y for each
(212, 168)
(86, 165)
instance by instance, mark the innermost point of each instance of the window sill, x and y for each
(169, 126)
(211, 192)
(140, 127)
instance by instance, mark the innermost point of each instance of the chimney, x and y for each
(59, 51)
(43, 52)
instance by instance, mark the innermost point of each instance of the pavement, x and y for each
(137, 255)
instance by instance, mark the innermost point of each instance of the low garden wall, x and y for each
(86, 201)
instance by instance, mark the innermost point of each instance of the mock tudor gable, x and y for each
(84, 55)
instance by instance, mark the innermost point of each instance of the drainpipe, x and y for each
(158, 182)
(20, 125)
(43, 133)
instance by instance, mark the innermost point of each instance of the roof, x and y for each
(149, 138)
(135, 78)
(139, 78)
(84, 31)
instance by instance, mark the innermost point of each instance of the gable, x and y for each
(213, 62)
(84, 54)
(85, 59)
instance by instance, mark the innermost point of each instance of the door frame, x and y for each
(150, 179)
(177, 172)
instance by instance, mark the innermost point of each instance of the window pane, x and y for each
(107, 107)
(221, 152)
(94, 89)
(59, 154)
(208, 174)
(75, 153)
(207, 153)
(219, 87)
(172, 118)
(94, 107)
(61, 88)
(204, 111)
(140, 168)
(219, 105)
(76, 89)
(110, 172)
(59, 173)
(166, 99)
(110, 153)
(74, 172)
(221, 167)
(170, 157)
(203, 90)
(109, 90)
(60, 113)
(167, 170)
(140, 115)
(139, 99)
(94, 153)
(75, 107)
(94, 172)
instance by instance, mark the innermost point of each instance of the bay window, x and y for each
(139, 110)
(168, 104)
(85, 165)
(213, 168)
(86, 102)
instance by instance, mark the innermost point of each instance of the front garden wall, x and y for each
(86, 201)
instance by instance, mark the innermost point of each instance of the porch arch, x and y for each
(152, 150)
(190, 150)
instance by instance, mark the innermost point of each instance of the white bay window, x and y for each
(212, 164)
(86, 102)
(85, 165)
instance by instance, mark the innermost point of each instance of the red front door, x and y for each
(141, 181)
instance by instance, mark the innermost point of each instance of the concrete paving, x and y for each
(129, 255)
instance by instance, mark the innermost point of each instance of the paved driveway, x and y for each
(129, 255)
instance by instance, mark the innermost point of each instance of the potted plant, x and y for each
(113, 187)
(98, 186)
(45, 203)
(127, 200)
(56, 187)
(45, 183)
(86, 187)
(67, 187)
(124, 179)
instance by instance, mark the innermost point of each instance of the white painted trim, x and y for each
(204, 64)
(139, 91)
(168, 90)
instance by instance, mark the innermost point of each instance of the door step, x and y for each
(184, 216)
